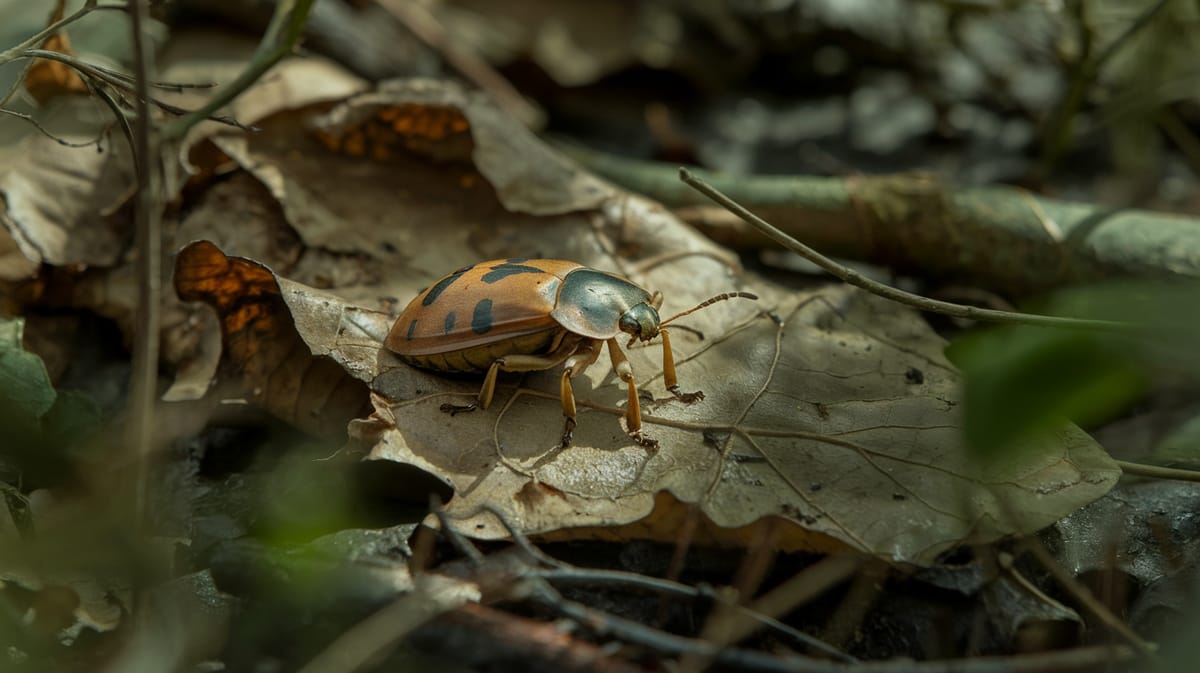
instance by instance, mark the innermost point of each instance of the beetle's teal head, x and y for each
(640, 322)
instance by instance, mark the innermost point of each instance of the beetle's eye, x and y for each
(630, 325)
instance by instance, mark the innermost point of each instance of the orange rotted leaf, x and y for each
(261, 342)
(379, 133)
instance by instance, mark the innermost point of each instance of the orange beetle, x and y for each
(523, 315)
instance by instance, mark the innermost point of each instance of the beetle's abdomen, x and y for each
(479, 305)
(479, 358)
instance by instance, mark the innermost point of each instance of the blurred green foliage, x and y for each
(1021, 380)
(44, 429)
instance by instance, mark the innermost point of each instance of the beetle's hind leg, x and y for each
(669, 378)
(484, 399)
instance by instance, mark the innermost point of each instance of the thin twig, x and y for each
(522, 540)
(594, 577)
(536, 587)
(114, 77)
(119, 115)
(566, 573)
(147, 218)
(1085, 598)
(41, 36)
(282, 35)
(457, 539)
(1157, 471)
(46, 132)
(852, 277)
(33, 43)
(1080, 659)
(486, 638)
(433, 596)
(121, 82)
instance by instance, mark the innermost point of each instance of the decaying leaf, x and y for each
(841, 417)
(433, 118)
(829, 409)
(839, 414)
(279, 370)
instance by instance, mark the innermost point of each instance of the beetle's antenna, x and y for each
(707, 302)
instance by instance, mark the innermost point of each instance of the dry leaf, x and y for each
(841, 417)
(829, 409)
(59, 204)
(278, 369)
(838, 414)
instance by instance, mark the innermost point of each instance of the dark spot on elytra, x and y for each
(502, 271)
(914, 376)
(412, 327)
(442, 284)
(481, 320)
(450, 321)
(516, 260)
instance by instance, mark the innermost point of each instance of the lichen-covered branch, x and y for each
(1001, 238)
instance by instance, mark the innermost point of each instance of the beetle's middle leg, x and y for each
(574, 355)
(572, 366)
(484, 399)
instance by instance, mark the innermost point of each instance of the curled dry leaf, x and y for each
(830, 412)
(259, 328)
(59, 204)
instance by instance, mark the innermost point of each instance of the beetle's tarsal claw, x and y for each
(686, 398)
(454, 409)
(644, 441)
(568, 432)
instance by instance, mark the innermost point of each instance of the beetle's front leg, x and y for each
(633, 408)
(669, 378)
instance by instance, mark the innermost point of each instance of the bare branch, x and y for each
(283, 34)
(46, 132)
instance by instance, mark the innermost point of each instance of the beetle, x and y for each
(520, 315)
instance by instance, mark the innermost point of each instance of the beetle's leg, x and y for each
(575, 354)
(669, 378)
(485, 393)
(633, 408)
(574, 365)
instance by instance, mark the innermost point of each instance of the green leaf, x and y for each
(25, 388)
(1024, 381)
(43, 430)
(73, 417)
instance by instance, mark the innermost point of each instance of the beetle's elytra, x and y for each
(522, 315)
